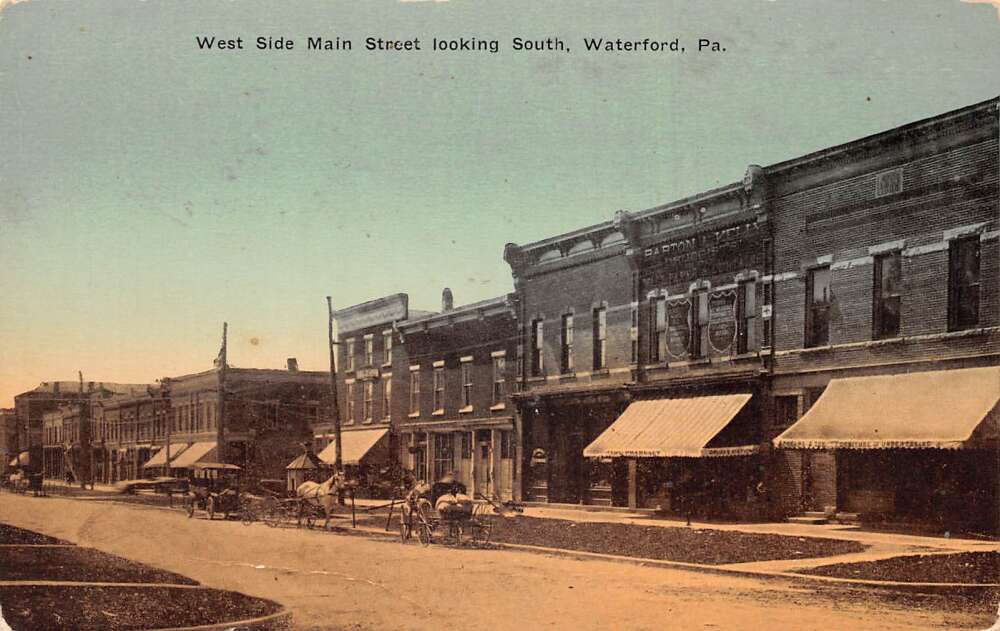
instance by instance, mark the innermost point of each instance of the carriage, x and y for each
(214, 487)
(444, 511)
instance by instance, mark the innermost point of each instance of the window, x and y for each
(386, 398)
(499, 381)
(767, 314)
(786, 411)
(415, 392)
(566, 358)
(467, 384)
(634, 333)
(420, 457)
(506, 444)
(699, 322)
(369, 393)
(600, 324)
(444, 461)
(537, 345)
(387, 348)
(349, 345)
(438, 388)
(657, 328)
(746, 312)
(369, 350)
(350, 402)
(885, 297)
(818, 299)
(466, 445)
(963, 283)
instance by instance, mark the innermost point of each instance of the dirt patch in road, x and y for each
(687, 545)
(9, 535)
(79, 564)
(120, 608)
(964, 567)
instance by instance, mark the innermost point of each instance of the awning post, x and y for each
(633, 483)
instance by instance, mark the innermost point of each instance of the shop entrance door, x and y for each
(484, 463)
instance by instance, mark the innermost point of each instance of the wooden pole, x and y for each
(220, 417)
(338, 463)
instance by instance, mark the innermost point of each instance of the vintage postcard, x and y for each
(450, 314)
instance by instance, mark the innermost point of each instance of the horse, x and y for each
(323, 495)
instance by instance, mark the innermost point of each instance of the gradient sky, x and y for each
(149, 191)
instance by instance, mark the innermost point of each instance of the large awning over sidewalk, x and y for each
(159, 459)
(671, 428)
(195, 453)
(357, 444)
(941, 409)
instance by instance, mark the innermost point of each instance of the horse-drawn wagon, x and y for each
(214, 487)
(444, 510)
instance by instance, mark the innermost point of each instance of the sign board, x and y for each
(722, 320)
(678, 328)
(381, 311)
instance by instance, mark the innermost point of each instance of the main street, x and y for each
(334, 581)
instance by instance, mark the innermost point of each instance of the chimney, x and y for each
(447, 301)
(293, 364)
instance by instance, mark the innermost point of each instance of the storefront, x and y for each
(918, 447)
(687, 455)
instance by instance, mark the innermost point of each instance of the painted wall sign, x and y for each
(722, 320)
(382, 311)
(705, 254)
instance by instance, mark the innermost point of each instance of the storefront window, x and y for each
(444, 460)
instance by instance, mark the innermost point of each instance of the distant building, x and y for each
(8, 438)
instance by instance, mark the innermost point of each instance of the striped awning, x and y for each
(671, 428)
(357, 444)
(195, 453)
(940, 409)
(159, 459)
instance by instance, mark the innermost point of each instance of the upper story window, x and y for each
(699, 323)
(438, 388)
(600, 324)
(566, 356)
(634, 333)
(466, 384)
(499, 380)
(963, 283)
(350, 402)
(746, 313)
(414, 392)
(349, 347)
(886, 296)
(766, 313)
(818, 300)
(387, 348)
(657, 328)
(369, 350)
(369, 395)
(386, 397)
(537, 347)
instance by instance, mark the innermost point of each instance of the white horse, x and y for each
(321, 495)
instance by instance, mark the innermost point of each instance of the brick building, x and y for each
(458, 416)
(887, 322)
(127, 431)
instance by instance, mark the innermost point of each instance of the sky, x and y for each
(150, 190)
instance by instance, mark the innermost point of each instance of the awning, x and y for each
(671, 428)
(159, 459)
(194, 453)
(308, 460)
(941, 409)
(356, 445)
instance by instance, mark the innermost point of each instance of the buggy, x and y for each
(214, 487)
(444, 511)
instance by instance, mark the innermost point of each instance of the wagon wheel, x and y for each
(481, 533)
(272, 513)
(210, 507)
(310, 517)
(424, 531)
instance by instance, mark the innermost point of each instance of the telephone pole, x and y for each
(220, 416)
(334, 407)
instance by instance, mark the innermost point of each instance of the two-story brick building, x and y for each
(459, 418)
(887, 322)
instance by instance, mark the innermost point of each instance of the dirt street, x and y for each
(334, 581)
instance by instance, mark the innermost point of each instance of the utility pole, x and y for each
(334, 407)
(220, 417)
